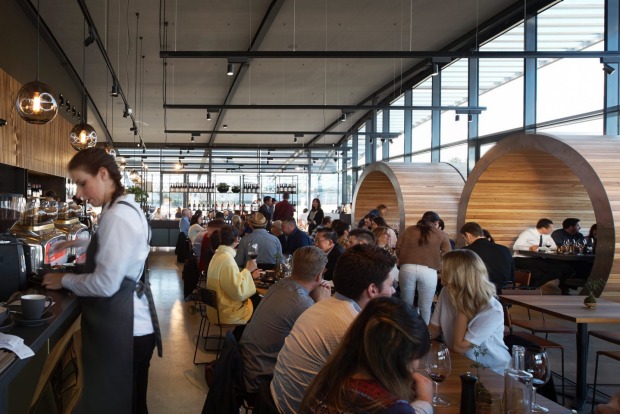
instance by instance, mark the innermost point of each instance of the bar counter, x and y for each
(164, 232)
(25, 382)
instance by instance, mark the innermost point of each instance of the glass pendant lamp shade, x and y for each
(36, 104)
(111, 152)
(82, 136)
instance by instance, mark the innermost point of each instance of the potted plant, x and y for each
(223, 187)
(591, 285)
(235, 189)
(141, 195)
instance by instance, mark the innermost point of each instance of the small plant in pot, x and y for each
(235, 189)
(223, 187)
(591, 285)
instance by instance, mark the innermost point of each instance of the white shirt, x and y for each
(485, 330)
(529, 238)
(123, 248)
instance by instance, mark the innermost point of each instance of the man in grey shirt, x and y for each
(362, 273)
(269, 247)
(274, 317)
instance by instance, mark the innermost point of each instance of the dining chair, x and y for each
(208, 298)
(522, 277)
(608, 336)
(542, 343)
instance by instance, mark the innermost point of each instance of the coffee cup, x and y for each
(34, 305)
(4, 313)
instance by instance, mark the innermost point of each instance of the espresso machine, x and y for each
(13, 271)
(68, 223)
(36, 229)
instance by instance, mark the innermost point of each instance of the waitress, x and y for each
(119, 328)
(315, 216)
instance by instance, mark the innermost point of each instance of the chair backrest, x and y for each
(209, 298)
(522, 277)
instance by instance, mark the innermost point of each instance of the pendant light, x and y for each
(83, 135)
(35, 102)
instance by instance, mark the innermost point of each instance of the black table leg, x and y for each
(582, 366)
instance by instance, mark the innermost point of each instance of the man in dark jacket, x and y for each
(295, 238)
(497, 258)
(327, 240)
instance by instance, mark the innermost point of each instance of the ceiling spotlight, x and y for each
(208, 116)
(608, 69)
(68, 106)
(371, 140)
(470, 118)
(457, 117)
(343, 117)
(382, 140)
(225, 126)
(391, 141)
(61, 100)
(435, 69)
(115, 88)
(335, 159)
(126, 112)
(192, 139)
(230, 69)
(295, 140)
(144, 151)
(2, 122)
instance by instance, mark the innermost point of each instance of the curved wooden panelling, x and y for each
(409, 190)
(527, 177)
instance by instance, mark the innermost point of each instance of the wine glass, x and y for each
(548, 244)
(438, 368)
(537, 364)
(253, 251)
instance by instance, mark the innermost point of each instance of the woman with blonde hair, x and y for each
(468, 313)
(373, 370)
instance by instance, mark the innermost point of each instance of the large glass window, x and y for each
(501, 85)
(568, 87)
(453, 93)
(421, 120)
(397, 124)
(379, 143)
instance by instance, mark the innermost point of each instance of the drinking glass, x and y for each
(438, 368)
(548, 244)
(537, 364)
(253, 251)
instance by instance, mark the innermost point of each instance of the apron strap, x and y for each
(143, 287)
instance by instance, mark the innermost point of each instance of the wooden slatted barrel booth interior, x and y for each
(525, 178)
(409, 190)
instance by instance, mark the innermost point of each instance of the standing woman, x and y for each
(419, 254)
(119, 328)
(467, 312)
(315, 216)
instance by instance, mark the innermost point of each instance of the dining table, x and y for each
(450, 389)
(552, 255)
(572, 308)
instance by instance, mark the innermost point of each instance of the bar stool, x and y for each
(609, 336)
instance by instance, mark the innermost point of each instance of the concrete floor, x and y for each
(177, 385)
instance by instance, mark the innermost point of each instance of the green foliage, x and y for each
(235, 189)
(223, 187)
(141, 195)
(592, 285)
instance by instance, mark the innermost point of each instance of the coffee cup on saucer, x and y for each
(33, 306)
(4, 313)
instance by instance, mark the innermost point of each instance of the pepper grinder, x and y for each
(468, 393)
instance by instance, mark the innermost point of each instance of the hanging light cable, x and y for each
(83, 135)
(35, 102)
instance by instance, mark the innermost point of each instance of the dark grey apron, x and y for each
(107, 346)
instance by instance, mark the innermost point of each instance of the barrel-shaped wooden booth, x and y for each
(408, 190)
(526, 177)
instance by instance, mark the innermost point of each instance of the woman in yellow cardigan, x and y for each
(233, 287)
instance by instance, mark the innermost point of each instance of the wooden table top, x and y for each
(450, 389)
(570, 308)
(564, 257)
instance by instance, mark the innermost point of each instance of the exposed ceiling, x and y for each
(233, 27)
